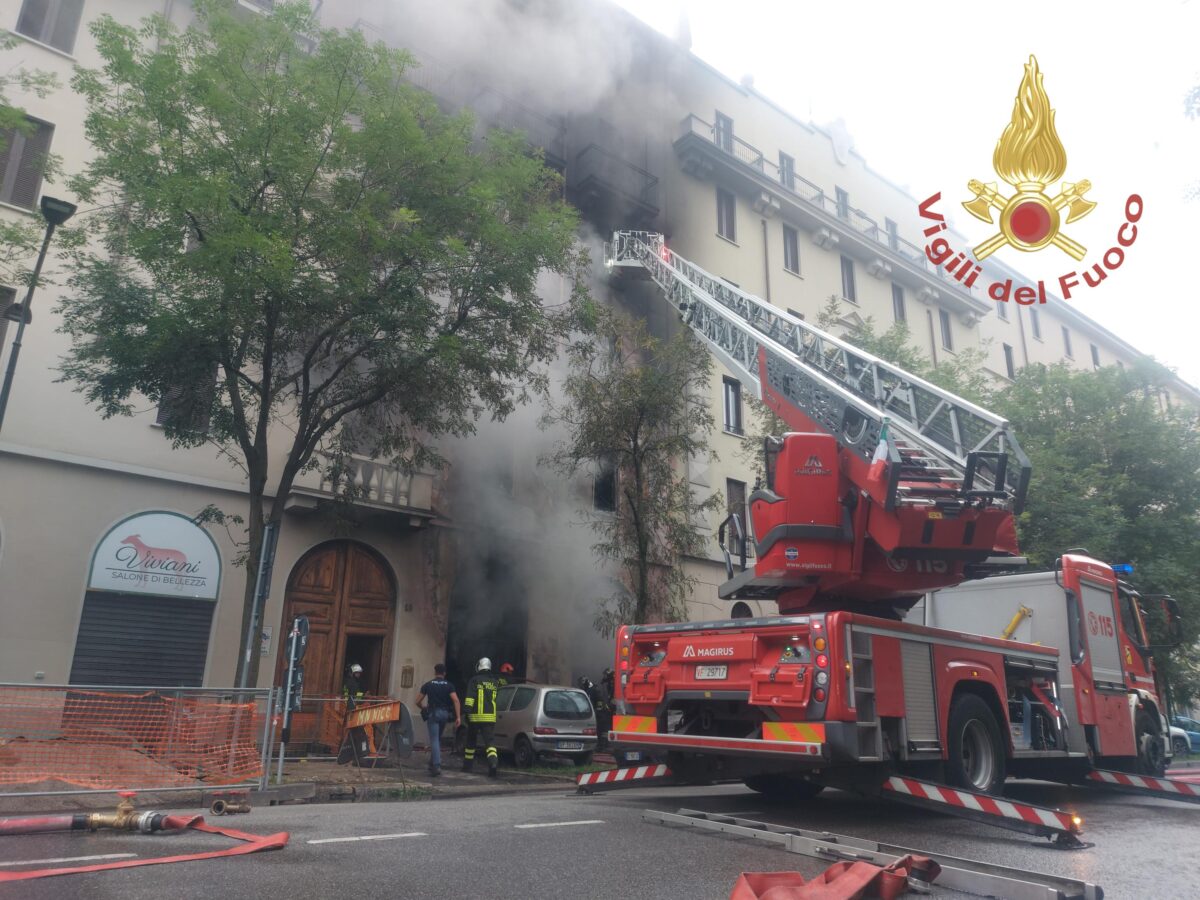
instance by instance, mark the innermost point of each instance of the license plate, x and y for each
(711, 673)
(570, 745)
(633, 756)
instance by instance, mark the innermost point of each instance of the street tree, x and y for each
(299, 254)
(638, 404)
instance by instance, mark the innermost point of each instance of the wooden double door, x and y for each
(349, 596)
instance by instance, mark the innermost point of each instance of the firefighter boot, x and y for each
(468, 759)
(493, 761)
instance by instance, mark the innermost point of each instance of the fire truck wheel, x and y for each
(783, 787)
(523, 753)
(976, 754)
(1151, 759)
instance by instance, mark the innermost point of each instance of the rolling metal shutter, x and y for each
(145, 641)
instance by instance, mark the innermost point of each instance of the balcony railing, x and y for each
(370, 482)
(811, 194)
(601, 167)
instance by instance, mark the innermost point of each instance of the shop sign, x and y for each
(160, 553)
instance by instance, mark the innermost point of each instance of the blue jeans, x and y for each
(437, 719)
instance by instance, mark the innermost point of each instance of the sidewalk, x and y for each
(324, 781)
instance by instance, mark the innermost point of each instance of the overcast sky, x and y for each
(926, 89)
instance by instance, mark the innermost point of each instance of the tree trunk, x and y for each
(254, 527)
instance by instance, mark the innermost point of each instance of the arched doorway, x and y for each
(349, 596)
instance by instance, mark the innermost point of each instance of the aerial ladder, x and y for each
(908, 488)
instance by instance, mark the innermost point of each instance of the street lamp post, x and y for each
(55, 212)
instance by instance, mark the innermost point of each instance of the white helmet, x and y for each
(355, 669)
(484, 665)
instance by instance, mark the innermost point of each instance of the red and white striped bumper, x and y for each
(590, 781)
(699, 744)
(1005, 813)
(1166, 788)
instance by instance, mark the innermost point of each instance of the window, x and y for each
(187, 406)
(733, 405)
(1009, 366)
(1002, 310)
(898, 310)
(723, 132)
(726, 215)
(848, 290)
(1067, 342)
(22, 160)
(735, 495)
(892, 233)
(567, 705)
(796, 314)
(741, 611)
(843, 203)
(791, 249)
(1035, 323)
(522, 697)
(604, 488)
(1095, 351)
(787, 171)
(52, 22)
(947, 336)
(504, 697)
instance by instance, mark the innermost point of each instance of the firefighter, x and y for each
(507, 675)
(480, 702)
(352, 686)
(608, 682)
(601, 706)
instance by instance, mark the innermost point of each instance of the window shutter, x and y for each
(31, 150)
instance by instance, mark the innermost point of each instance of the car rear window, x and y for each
(567, 705)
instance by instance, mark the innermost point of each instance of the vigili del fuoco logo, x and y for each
(1031, 158)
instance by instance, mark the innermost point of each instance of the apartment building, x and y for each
(646, 136)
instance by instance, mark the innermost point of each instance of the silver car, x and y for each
(545, 718)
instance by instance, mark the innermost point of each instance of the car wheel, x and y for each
(523, 754)
(976, 758)
(1151, 760)
(1179, 746)
(784, 787)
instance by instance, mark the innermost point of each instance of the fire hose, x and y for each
(127, 818)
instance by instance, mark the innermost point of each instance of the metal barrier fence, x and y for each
(70, 739)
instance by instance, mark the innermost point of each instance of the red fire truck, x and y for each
(905, 646)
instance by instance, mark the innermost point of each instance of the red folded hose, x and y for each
(252, 843)
(40, 824)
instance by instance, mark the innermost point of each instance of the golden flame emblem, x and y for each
(1030, 156)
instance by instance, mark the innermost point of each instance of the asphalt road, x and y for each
(557, 844)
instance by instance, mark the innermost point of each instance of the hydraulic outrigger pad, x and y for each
(1064, 827)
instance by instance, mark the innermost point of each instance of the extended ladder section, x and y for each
(947, 448)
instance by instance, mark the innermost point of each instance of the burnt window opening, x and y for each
(604, 486)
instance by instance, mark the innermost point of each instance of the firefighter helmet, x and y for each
(484, 665)
(506, 669)
(355, 669)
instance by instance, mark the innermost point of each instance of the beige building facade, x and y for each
(660, 141)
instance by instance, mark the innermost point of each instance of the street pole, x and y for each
(55, 212)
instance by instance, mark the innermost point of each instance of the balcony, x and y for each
(702, 149)
(370, 486)
(612, 188)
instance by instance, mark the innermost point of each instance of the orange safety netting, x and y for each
(105, 740)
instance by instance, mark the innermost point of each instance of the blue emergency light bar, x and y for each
(1123, 568)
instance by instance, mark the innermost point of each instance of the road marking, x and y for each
(66, 859)
(560, 824)
(369, 837)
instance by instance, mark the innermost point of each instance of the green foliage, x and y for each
(323, 261)
(642, 403)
